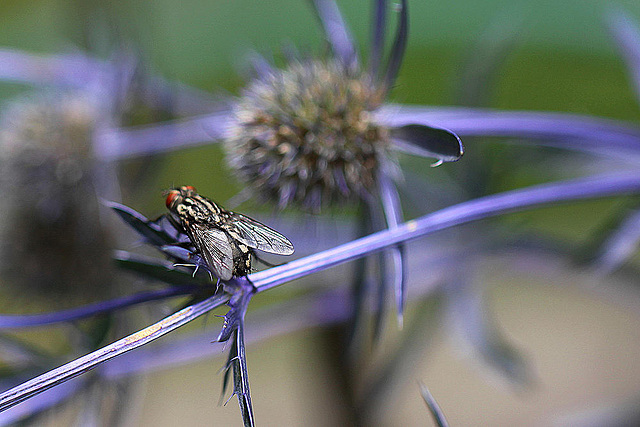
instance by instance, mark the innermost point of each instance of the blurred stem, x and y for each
(341, 374)
(353, 328)
(400, 366)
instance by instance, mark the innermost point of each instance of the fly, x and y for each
(224, 239)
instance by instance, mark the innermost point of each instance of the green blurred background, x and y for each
(584, 347)
(562, 46)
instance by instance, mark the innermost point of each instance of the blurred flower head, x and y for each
(51, 239)
(307, 134)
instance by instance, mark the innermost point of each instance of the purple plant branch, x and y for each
(570, 131)
(184, 100)
(320, 308)
(42, 402)
(32, 320)
(462, 213)
(473, 210)
(122, 143)
(241, 376)
(328, 307)
(179, 351)
(81, 71)
(85, 363)
(336, 32)
(61, 70)
(324, 308)
(626, 33)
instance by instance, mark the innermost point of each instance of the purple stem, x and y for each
(31, 320)
(81, 71)
(83, 364)
(61, 70)
(462, 213)
(44, 401)
(116, 144)
(569, 131)
(316, 309)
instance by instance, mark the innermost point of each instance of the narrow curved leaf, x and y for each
(152, 268)
(336, 32)
(480, 69)
(151, 231)
(428, 141)
(398, 48)
(379, 28)
(380, 313)
(471, 318)
(379, 279)
(433, 406)
(626, 32)
(620, 245)
(562, 130)
(145, 140)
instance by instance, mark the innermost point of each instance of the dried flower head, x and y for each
(308, 135)
(50, 236)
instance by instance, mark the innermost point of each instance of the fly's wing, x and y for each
(256, 235)
(215, 248)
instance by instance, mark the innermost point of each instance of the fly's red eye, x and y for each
(171, 197)
(189, 187)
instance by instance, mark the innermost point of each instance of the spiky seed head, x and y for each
(306, 135)
(51, 239)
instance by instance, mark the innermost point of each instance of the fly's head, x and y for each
(189, 206)
(177, 196)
